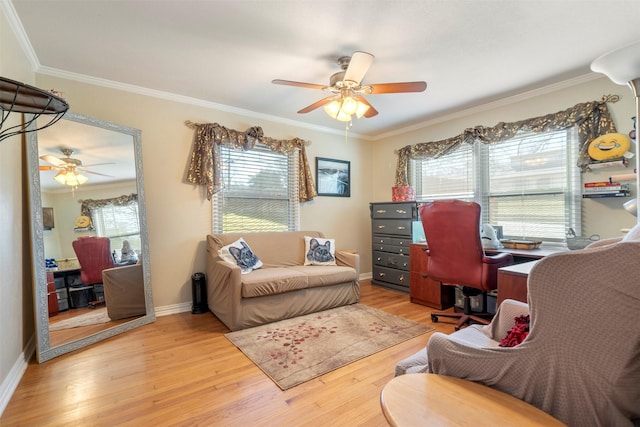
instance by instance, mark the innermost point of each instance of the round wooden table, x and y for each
(439, 400)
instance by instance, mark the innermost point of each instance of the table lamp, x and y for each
(622, 66)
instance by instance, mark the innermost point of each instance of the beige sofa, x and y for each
(283, 287)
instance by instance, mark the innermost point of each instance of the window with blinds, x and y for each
(118, 223)
(260, 191)
(529, 184)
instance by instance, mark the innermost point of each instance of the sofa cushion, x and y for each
(275, 249)
(326, 275)
(319, 251)
(271, 281)
(240, 254)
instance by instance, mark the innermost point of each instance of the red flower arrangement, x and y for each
(517, 333)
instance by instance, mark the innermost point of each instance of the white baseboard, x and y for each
(11, 381)
(363, 276)
(166, 310)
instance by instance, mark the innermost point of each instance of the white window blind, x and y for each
(447, 177)
(529, 185)
(118, 223)
(532, 184)
(260, 191)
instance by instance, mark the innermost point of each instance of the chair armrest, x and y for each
(124, 291)
(348, 258)
(604, 242)
(505, 318)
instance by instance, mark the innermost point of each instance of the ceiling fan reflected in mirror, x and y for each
(348, 92)
(70, 170)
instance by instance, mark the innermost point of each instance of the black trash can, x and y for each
(199, 292)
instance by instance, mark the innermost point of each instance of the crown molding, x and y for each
(54, 72)
(493, 104)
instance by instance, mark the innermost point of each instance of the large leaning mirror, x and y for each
(89, 233)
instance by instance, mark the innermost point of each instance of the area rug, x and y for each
(94, 317)
(296, 350)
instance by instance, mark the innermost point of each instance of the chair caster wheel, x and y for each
(434, 318)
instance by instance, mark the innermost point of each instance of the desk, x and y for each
(524, 255)
(429, 399)
(512, 281)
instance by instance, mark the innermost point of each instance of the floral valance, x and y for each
(205, 166)
(87, 205)
(591, 118)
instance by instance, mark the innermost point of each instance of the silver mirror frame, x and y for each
(44, 351)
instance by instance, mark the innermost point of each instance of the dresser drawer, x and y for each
(394, 210)
(388, 240)
(390, 275)
(384, 259)
(397, 227)
(392, 249)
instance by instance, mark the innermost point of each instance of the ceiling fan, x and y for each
(69, 169)
(348, 91)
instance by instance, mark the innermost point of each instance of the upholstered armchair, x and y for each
(581, 359)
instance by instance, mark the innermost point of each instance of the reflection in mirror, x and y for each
(90, 246)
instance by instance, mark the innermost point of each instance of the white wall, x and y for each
(604, 217)
(16, 314)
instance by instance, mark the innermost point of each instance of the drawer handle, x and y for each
(400, 251)
(405, 264)
(381, 211)
(401, 228)
(381, 274)
(402, 278)
(380, 227)
(401, 211)
(378, 259)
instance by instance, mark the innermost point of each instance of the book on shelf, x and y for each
(600, 184)
(597, 194)
(621, 162)
(607, 188)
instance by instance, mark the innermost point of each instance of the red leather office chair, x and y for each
(456, 255)
(94, 255)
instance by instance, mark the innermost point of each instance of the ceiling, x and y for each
(224, 53)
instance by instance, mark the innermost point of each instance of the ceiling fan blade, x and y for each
(379, 88)
(53, 160)
(49, 168)
(317, 104)
(358, 66)
(297, 84)
(371, 111)
(98, 164)
(93, 173)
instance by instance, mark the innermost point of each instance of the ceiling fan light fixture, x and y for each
(361, 110)
(349, 105)
(342, 109)
(70, 178)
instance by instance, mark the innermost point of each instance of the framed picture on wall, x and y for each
(47, 218)
(333, 177)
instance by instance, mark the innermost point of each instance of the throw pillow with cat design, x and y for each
(239, 253)
(319, 251)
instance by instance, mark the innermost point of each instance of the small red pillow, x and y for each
(517, 333)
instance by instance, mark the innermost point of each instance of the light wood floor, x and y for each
(182, 371)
